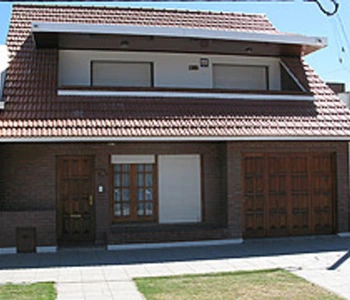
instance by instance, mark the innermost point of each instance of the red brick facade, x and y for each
(28, 186)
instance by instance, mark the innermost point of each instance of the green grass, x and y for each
(267, 284)
(35, 291)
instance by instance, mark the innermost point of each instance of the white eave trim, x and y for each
(111, 140)
(142, 94)
(280, 38)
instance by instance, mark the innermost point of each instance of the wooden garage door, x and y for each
(288, 194)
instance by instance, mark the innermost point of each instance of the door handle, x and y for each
(91, 200)
(75, 216)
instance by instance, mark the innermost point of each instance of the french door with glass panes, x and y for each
(134, 193)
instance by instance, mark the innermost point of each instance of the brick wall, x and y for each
(28, 182)
(43, 221)
(28, 175)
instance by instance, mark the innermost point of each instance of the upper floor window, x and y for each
(121, 73)
(241, 77)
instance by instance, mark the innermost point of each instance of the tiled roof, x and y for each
(33, 108)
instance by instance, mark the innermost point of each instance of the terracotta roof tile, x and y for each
(33, 108)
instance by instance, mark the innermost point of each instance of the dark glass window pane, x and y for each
(126, 168)
(117, 168)
(126, 195)
(126, 180)
(149, 209)
(149, 179)
(117, 209)
(148, 167)
(117, 179)
(149, 194)
(126, 209)
(140, 211)
(140, 194)
(140, 167)
(140, 180)
(116, 195)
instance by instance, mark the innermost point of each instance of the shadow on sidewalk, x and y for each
(250, 248)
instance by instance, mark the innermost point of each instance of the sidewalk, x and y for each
(101, 274)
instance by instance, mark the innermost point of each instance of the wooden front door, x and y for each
(288, 194)
(75, 198)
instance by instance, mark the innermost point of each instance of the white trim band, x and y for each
(133, 159)
(167, 31)
(343, 234)
(184, 95)
(8, 250)
(175, 244)
(46, 249)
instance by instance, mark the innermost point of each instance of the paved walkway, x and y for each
(100, 274)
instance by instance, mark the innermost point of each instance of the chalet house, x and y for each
(139, 127)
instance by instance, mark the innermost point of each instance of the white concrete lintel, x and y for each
(175, 244)
(8, 250)
(46, 249)
(192, 95)
(343, 234)
(201, 33)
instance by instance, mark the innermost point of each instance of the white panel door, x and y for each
(239, 77)
(179, 188)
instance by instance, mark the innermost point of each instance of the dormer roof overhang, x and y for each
(97, 36)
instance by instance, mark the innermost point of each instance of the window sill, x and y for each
(184, 93)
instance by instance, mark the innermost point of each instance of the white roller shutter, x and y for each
(179, 188)
(239, 77)
(114, 74)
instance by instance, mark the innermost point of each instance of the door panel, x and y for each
(75, 193)
(277, 196)
(254, 196)
(288, 194)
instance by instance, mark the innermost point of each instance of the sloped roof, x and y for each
(33, 109)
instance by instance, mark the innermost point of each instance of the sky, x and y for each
(331, 63)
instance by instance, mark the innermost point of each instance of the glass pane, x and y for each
(149, 179)
(117, 209)
(140, 168)
(117, 168)
(126, 195)
(140, 194)
(140, 211)
(126, 179)
(148, 209)
(149, 194)
(140, 179)
(126, 209)
(117, 179)
(116, 195)
(126, 168)
(148, 168)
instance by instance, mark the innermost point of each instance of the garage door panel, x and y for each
(322, 190)
(277, 196)
(288, 194)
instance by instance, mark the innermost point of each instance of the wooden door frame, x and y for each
(58, 206)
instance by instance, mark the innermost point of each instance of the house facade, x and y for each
(124, 126)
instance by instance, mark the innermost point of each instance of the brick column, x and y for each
(234, 191)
